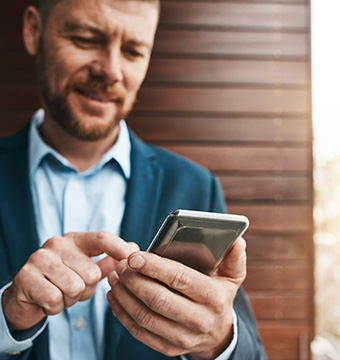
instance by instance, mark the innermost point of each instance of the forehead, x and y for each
(137, 17)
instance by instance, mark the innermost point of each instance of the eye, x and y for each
(84, 41)
(133, 53)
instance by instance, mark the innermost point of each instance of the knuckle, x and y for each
(92, 275)
(144, 318)
(160, 302)
(219, 303)
(55, 242)
(76, 288)
(180, 281)
(24, 274)
(168, 350)
(205, 325)
(103, 236)
(40, 256)
(185, 342)
(135, 331)
(54, 302)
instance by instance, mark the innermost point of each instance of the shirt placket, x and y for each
(82, 339)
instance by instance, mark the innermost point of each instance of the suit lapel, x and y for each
(17, 214)
(142, 200)
(16, 208)
(143, 194)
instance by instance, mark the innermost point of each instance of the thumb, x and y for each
(234, 264)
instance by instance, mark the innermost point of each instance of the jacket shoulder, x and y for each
(13, 140)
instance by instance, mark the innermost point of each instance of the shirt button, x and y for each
(75, 184)
(80, 323)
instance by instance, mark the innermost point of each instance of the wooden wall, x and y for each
(228, 87)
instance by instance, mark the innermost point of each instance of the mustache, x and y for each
(112, 91)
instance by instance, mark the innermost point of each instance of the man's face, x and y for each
(93, 56)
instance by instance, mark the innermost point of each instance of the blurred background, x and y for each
(326, 122)
(229, 87)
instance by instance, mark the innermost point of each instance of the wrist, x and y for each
(17, 315)
(221, 344)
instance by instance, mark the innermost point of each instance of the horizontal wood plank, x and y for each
(11, 124)
(278, 305)
(231, 43)
(20, 69)
(227, 129)
(10, 36)
(276, 219)
(234, 14)
(277, 277)
(246, 158)
(277, 248)
(266, 188)
(228, 71)
(282, 339)
(231, 100)
(13, 9)
(19, 98)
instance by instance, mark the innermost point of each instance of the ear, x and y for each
(32, 28)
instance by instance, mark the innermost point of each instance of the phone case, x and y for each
(198, 239)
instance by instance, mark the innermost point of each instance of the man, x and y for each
(75, 170)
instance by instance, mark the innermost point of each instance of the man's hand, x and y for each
(175, 309)
(59, 274)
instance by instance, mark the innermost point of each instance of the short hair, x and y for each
(45, 6)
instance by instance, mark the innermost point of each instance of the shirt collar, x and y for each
(38, 149)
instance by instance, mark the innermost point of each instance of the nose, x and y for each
(108, 65)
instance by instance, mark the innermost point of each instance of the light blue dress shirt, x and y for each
(66, 201)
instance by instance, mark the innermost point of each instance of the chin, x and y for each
(88, 127)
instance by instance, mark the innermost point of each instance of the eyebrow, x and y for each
(139, 43)
(72, 26)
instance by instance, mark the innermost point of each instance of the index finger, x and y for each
(189, 282)
(97, 243)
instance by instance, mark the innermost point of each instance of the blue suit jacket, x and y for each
(160, 183)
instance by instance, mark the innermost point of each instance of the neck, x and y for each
(82, 154)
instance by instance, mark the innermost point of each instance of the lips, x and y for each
(98, 96)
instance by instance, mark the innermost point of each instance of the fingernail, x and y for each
(136, 262)
(121, 267)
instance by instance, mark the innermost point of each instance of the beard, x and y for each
(61, 112)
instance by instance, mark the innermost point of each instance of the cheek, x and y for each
(64, 66)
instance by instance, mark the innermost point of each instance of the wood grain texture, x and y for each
(220, 128)
(277, 276)
(231, 43)
(234, 14)
(247, 158)
(276, 248)
(228, 71)
(282, 219)
(223, 100)
(278, 189)
(282, 339)
(280, 305)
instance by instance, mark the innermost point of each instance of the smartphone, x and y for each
(198, 239)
